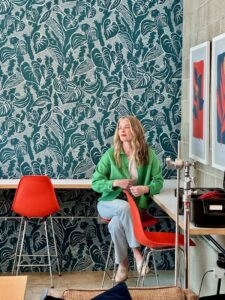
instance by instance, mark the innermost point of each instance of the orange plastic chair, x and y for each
(35, 198)
(153, 241)
(147, 220)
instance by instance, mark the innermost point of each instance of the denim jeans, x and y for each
(120, 226)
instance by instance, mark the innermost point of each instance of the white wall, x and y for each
(203, 20)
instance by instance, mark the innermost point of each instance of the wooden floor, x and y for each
(39, 283)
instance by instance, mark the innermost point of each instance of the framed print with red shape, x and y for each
(199, 103)
(218, 102)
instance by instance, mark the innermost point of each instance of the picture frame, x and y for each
(199, 102)
(218, 102)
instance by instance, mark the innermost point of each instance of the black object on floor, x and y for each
(118, 292)
(52, 298)
(213, 297)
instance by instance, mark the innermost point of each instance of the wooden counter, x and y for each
(57, 183)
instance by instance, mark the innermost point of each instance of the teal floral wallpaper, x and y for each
(70, 69)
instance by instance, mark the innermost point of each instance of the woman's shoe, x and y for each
(145, 269)
(121, 274)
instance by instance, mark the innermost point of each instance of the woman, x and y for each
(131, 165)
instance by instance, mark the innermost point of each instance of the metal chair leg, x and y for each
(144, 265)
(155, 268)
(17, 246)
(55, 247)
(114, 274)
(21, 247)
(107, 263)
(49, 257)
(47, 246)
(144, 258)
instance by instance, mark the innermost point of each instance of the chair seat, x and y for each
(148, 220)
(163, 240)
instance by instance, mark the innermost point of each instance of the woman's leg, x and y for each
(119, 239)
(137, 255)
(120, 226)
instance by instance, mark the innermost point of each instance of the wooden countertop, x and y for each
(57, 183)
(166, 200)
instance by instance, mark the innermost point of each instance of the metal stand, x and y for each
(186, 200)
(179, 164)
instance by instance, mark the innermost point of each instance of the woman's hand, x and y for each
(138, 190)
(124, 183)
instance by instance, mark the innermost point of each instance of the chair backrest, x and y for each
(35, 197)
(137, 224)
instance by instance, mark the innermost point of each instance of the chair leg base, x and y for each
(18, 264)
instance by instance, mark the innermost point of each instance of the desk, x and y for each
(167, 201)
(12, 287)
(57, 183)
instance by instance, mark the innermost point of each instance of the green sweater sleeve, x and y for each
(100, 179)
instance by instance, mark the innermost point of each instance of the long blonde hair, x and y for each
(138, 142)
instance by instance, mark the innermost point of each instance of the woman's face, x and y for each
(124, 130)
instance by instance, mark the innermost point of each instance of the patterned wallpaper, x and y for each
(70, 69)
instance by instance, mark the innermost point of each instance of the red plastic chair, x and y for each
(147, 220)
(153, 241)
(35, 198)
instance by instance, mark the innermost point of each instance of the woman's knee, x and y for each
(125, 208)
(114, 224)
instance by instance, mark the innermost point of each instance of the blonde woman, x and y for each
(131, 165)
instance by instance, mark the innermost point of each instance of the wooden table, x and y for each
(57, 183)
(12, 287)
(167, 201)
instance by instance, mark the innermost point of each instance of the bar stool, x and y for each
(147, 221)
(35, 198)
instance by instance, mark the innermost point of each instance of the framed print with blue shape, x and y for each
(199, 102)
(218, 102)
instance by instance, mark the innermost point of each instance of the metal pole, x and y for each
(179, 164)
(177, 220)
(186, 200)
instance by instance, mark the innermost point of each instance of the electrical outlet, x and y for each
(218, 273)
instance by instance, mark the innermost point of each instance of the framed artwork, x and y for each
(199, 103)
(218, 102)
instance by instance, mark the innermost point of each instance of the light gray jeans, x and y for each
(120, 226)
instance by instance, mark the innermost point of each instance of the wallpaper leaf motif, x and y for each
(40, 42)
(13, 81)
(69, 70)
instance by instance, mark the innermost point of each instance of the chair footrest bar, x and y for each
(36, 255)
(35, 265)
